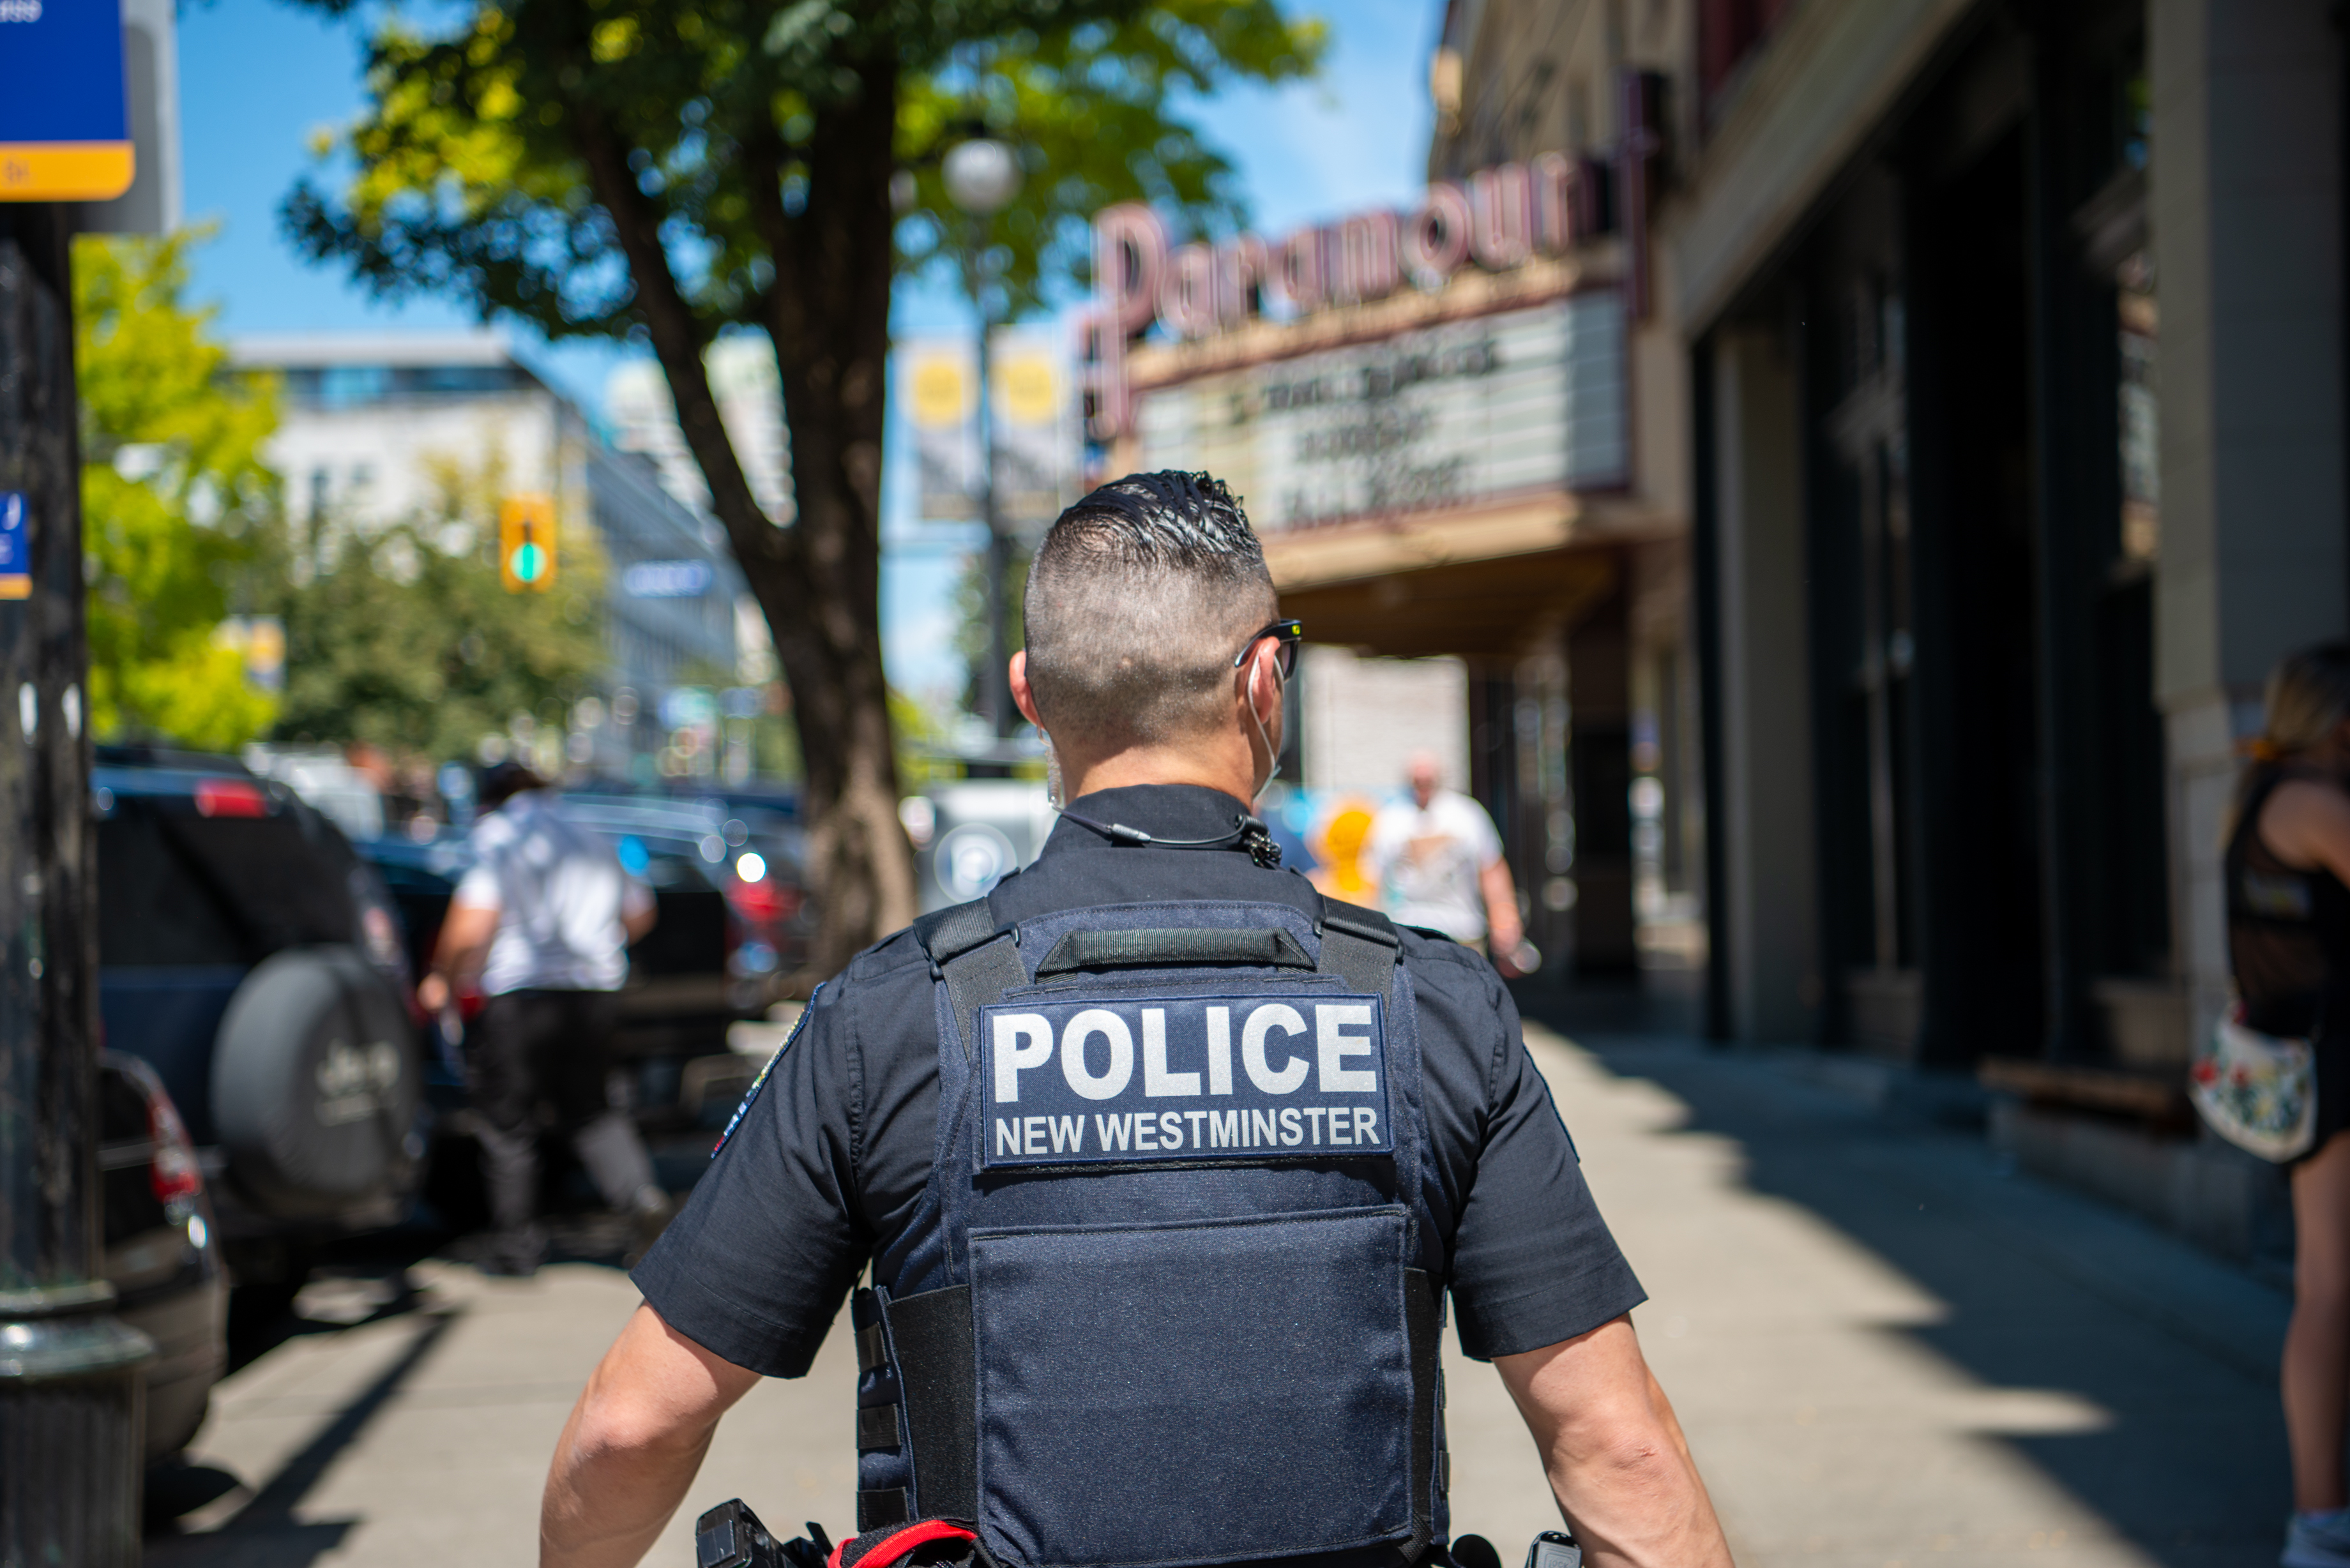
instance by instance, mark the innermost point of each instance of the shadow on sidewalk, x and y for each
(2045, 1290)
(265, 1532)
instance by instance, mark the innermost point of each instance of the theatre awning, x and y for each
(1498, 608)
(1489, 582)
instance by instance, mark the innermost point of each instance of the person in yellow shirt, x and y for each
(1340, 845)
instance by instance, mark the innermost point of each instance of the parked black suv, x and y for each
(256, 963)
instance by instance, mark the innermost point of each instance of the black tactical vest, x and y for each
(1171, 1296)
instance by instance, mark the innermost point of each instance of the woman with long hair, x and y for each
(2288, 890)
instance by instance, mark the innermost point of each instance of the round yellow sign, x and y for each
(941, 393)
(1024, 385)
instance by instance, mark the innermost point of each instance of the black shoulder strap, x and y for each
(2248, 810)
(1423, 1315)
(1358, 945)
(978, 960)
(951, 932)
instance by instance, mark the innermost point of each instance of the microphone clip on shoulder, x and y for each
(1248, 833)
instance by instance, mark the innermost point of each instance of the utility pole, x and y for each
(72, 1376)
(982, 175)
(998, 684)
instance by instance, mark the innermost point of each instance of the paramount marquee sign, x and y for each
(1358, 368)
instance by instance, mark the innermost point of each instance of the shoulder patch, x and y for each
(751, 1095)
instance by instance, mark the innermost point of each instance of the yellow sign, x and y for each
(1025, 389)
(941, 391)
(64, 170)
(526, 544)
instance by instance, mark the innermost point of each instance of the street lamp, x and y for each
(982, 176)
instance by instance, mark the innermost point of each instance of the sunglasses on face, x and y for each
(1290, 632)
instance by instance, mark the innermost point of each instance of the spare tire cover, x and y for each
(315, 1082)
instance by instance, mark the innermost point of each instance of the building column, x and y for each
(1599, 765)
(2246, 183)
(1766, 908)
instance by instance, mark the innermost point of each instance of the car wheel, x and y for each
(315, 1083)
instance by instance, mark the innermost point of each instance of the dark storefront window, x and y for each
(1980, 315)
(1868, 429)
(2130, 931)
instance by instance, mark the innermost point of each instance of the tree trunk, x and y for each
(829, 317)
(818, 581)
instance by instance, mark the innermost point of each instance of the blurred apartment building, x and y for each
(379, 428)
(1989, 412)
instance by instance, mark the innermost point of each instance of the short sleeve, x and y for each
(1477, 826)
(1533, 1263)
(478, 890)
(753, 1268)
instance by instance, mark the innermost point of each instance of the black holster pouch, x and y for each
(731, 1536)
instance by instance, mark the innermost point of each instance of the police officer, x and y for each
(1163, 1164)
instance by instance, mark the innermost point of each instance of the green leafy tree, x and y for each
(403, 636)
(640, 168)
(176, 503)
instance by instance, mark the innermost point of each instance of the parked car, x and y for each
(971, 835)
(254, 963)
(162, 1251)
(752, 853)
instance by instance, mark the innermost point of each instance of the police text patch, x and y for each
(1184, 1077)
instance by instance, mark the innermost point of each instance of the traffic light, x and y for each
(526, 544)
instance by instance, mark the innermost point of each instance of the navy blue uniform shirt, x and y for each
(826, 1164)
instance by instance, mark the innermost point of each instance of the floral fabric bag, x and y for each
(2257, 1090)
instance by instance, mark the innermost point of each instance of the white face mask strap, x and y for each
(1272, 751)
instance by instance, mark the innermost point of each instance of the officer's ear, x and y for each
(1023, 698)
(1263, 690)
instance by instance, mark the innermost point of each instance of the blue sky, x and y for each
(259, 77)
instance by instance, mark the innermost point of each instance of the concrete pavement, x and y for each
(1887, 1351)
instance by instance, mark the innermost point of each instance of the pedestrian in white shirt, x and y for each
(1440, 865)
(544, 919)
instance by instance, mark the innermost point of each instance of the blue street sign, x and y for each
(15, 547)
(666, 579)
(64, 121)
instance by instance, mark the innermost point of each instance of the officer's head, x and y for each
(1147, 611)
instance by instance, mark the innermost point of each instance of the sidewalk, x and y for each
(1885, 1350)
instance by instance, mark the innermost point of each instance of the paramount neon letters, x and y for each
(1184, 1077)
(1500, 218)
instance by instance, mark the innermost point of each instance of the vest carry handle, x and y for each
(1133, 950)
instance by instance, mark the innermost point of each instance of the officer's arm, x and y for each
(1615, 1453)
(633, 1446)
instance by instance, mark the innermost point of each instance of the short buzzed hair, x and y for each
(1138, 601)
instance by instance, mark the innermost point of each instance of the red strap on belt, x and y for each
(892, 1547)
